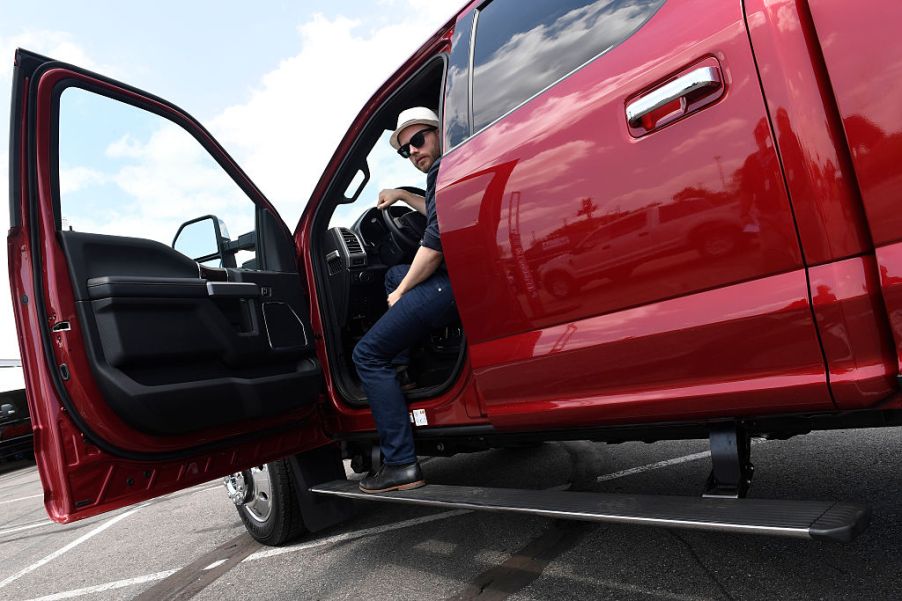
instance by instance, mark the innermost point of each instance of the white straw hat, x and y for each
(412, 116)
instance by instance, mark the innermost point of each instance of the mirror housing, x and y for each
(204, 239)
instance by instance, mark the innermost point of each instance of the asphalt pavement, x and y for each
(191, 544)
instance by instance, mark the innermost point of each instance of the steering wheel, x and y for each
(406, 226)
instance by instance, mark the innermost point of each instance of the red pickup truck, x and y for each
(730, 169)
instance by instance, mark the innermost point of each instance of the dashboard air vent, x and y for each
(351, 242)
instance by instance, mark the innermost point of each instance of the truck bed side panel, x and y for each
(836, 241)
(862, 51)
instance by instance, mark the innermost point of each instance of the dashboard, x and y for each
(356, 261)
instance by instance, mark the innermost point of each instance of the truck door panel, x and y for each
(519, 195)
(145, 372)
(169, 357)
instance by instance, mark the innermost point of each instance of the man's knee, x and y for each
(393, 277)
(361, 354)
(368, 355)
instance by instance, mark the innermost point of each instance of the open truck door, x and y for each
(148, 370)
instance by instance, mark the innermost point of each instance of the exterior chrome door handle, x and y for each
(699, 82)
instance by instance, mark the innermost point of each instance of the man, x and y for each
(419, 300)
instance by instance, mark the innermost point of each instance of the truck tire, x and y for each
(560, 285)
(266, 500)
(717, 242)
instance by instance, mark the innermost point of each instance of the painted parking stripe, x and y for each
(193, 578)
(357, 534)
(27, 526)
(22, 499)
(109, 586)
(349, 535)
(117, 584)
(39, 523)
(654, 466)
(70, 546)
(665, 463)
(215, 564)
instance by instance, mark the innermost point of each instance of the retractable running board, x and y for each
(799, 519)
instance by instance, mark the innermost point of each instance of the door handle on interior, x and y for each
(699, 82)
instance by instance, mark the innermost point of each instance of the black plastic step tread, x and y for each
(801, 519)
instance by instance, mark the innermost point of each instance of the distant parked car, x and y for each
(15, 421)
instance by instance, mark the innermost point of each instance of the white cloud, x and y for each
(59, 45)
(167, 180)
(283, 135)
(125, 147)
(288, 129)
(76, 178)
(531, 60)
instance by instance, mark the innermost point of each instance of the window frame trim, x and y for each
(472, 43)
(93, 83)
(475, 132)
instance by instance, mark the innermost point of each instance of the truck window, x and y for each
(457, 98)
(525, 46)
(124, 171)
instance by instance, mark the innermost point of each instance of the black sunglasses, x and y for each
(416, 141)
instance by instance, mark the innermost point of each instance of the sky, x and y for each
(277, 83)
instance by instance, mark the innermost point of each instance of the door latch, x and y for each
(62, 326)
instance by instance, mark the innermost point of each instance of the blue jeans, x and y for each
(427, 306)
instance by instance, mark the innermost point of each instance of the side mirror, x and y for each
(203, 239)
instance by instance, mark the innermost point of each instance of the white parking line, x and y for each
(69, 547)
(653, 466)
(109, 586)
(30, 476)
(357, 534)
(22, 499)
(312, 544)
(215, 564)
(664, 463)
(259, 555)
(27, 526)
(39, 523)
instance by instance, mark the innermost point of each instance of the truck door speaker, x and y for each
(284, 328)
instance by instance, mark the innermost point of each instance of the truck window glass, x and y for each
(524, 46)
(127, 172)
(387, 170)
(457, 118)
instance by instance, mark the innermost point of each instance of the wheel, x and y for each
(266, 500)
(717, 243)
(560, 285)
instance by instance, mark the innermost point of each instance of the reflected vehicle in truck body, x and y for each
(718, 165)
(15, 422)
(685, 230)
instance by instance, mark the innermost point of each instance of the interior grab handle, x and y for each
(698, 82)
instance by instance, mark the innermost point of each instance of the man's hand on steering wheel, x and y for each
(390, 196)
(404, 226)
